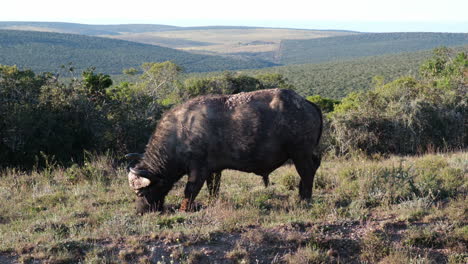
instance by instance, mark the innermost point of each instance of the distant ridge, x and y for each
(85, 29)
(46, 51)
(363, 45)
(94, 30)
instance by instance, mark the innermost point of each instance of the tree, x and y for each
(326, 104)
(159, 79)
(274, 80)
(96, 84)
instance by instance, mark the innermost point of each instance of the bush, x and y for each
(434, 177)
(44, 117)
(408, 115)
(326, 104)
(224, 84)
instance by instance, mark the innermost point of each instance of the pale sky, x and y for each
(361, 15)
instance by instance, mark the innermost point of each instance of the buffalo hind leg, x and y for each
(197, 177)
(212, 183)
(266, 180)
(306, 165)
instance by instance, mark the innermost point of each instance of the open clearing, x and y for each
(226, 41)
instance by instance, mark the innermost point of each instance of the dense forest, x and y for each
(362, 45)
(47, 52)
(43, 116)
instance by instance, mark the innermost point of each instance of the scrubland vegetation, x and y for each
(317, 50)
(45, 116)
(337, 79)
(392, 186)
(46, 52)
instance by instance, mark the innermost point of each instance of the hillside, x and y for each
(281, 46)
(361, 45)
(252, 42)
(45, 51)
(337, 79)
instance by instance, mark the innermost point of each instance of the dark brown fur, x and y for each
(252, 132)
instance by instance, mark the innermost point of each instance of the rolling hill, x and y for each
(363, 45)
(228, 40)
(252, 42)
(45, 51)
(84, 29)
(337, 79)
(276, 45)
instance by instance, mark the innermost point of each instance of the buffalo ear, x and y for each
(136, 182)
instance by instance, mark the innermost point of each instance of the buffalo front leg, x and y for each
(306, 165)
(212, 183)
(197, 177)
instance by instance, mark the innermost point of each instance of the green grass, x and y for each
(362, 211)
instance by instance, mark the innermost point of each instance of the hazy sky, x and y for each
(362, 15)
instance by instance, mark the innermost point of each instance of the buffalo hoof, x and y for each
(187, 206)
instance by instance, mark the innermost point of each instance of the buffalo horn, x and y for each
(136, 182)
(142, 173)
(134, 156)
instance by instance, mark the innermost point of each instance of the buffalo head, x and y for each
(148, 187)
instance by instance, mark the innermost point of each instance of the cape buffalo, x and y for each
(251, 132)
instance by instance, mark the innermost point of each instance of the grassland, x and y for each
(227, 40)
(387, 210)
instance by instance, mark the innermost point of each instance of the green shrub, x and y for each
(434, 177)
(327, 105)
(376, 185)
(428, 113)
(423, 237)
